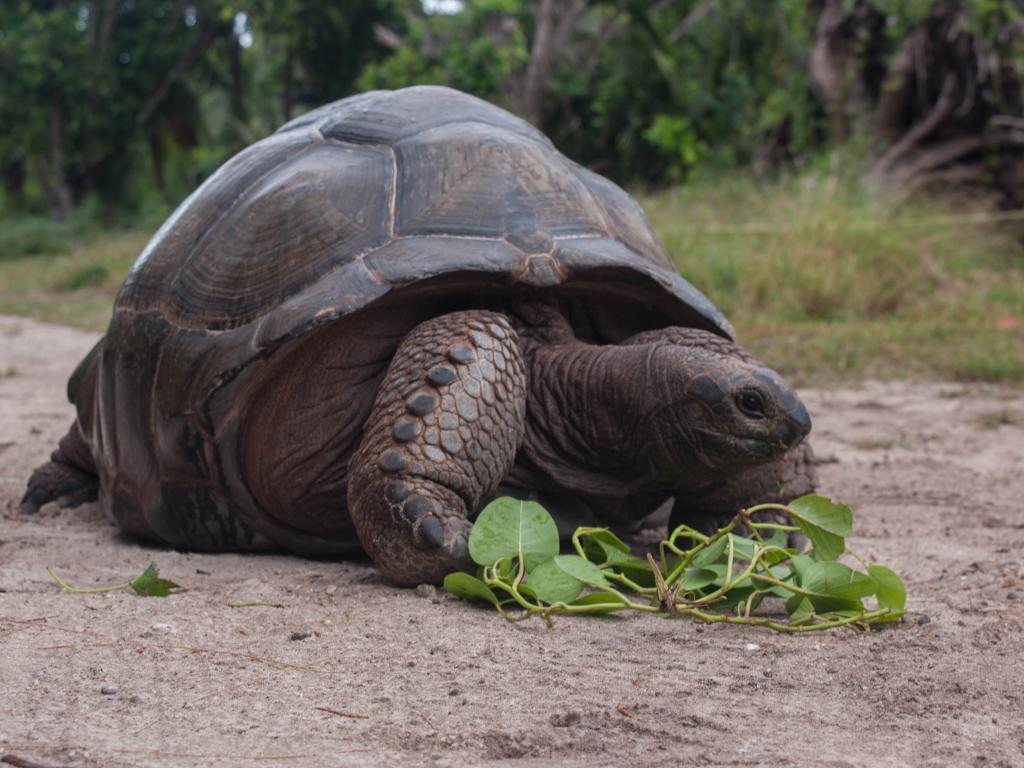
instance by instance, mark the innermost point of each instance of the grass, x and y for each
(825, 280)
(830, 281)
(72, 278)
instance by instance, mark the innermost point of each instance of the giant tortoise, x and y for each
(365, 326)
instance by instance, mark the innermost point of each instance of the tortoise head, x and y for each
(719, 410)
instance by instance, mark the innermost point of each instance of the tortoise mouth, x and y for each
(762, 448)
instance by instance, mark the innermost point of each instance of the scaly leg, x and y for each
(443, 432)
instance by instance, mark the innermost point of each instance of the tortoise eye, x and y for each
(751, 402)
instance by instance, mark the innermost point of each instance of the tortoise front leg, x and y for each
(443, 432)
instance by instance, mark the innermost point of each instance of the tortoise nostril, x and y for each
(797, 424)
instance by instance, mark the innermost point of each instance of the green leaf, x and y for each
(836, 587)
(697, 578)
(737, 595)
(149, 584)
(800, 564)
(721, 575)
(504, 568)
(891, 592)
(601, 602)
(605, 547)
(581, 569)
(469, 588)
(825, 523)
(507, 526)
(636, 569)
(553, 585)
(781, 573)
(743, 548)
(800, 609)
(710, 554)
(526, 591)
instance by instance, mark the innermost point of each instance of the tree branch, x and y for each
(188, 57)
(549, 38)
(910, 139)
(691, 19)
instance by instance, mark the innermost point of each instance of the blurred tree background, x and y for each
(808, 114)
(125, 100)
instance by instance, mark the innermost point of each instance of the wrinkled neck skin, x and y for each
(667, 411)
(582, 416)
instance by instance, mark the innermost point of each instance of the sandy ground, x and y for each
(933, 472)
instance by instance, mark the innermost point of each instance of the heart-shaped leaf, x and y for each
(581, 569)
(836, 587)
(825, 523)
(509, 526)
(891, 592)
(553, 585)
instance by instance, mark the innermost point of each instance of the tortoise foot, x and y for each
(67, 478)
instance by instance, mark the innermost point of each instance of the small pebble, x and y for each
(565, 719)
(159, 628)
(301, 634)
(331, 589)
(426, 590)
(1016, 594)
(108, 690)
(751, 646)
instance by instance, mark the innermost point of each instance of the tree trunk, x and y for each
(554, 21)
(237, 83)
(51, 173)
(14, 182)
(156, 154)
(289, 83)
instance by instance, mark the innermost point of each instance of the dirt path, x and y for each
(933, 471)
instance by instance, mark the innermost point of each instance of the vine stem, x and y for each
(79, 590)
(721, 618)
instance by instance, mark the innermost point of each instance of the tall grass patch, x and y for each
(828, 279)
(73, 283)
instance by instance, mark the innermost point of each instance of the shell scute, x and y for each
(306, 218)
(386, 117)
(191, 223)
(473, 180)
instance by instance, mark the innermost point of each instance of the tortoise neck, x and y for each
(584, 407)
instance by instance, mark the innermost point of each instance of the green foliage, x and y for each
(870, 285)
(481, 49)
(84, 83)
(136, 102)
(147, 584)
(724, 577)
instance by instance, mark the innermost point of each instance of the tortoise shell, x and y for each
(357, 198)
(363, 217)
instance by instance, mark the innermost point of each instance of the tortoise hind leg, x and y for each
(444, 430)
(69, 477)
(788, 478)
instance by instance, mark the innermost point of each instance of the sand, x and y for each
(349, 671)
